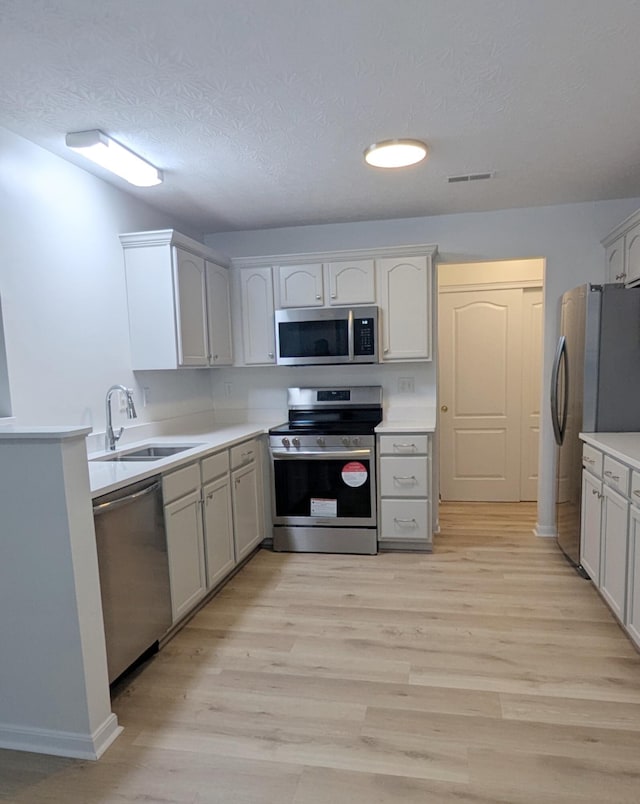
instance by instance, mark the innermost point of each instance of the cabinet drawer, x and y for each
(404, 519)
(244, 453)
(181, 482)
(616, 474)
(215, 465)
(404, 477)
(404, 444)
(592, 460)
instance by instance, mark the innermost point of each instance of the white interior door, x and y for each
(480, 346)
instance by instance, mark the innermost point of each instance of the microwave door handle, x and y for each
(350, 332)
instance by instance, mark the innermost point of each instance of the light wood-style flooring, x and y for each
(486, 672)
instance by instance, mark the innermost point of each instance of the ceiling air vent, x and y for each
(470, 177)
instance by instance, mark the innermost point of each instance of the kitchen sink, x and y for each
(152, 452)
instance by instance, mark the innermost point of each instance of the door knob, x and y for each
(444, 408)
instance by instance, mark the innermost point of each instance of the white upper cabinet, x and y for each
(404, 293)
(176, 318)
(191, 312)
(622, 252)
(397, 280)
(219, 315)
(301, 285)
(632, 254)
(351, 282)
(615, 261)
(258, 333)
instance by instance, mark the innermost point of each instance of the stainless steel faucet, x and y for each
(110, 437)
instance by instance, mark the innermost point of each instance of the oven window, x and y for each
(314, 338)
(330, 488)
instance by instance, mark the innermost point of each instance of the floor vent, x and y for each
(470, 177)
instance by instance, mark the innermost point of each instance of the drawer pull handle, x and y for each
(404, 477)
(588, 460)
(611, 475)
(248, 454)
(636, 492)
(597, 493)
(404, 446)
(404, 521)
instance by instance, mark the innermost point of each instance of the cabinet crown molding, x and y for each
(419, 250)
(170, 237)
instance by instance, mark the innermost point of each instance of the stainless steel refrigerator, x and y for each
(595, 387)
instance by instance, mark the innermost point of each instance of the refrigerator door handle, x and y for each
(558, 426)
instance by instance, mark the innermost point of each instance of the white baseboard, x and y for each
(545, 531)
(61, 743)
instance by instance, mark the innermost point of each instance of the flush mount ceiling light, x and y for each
(395, 153)
(109, 154)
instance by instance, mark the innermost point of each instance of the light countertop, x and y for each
(409, 420)
(106, 476)
(623, 446)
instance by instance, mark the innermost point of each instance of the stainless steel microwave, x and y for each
(326, 335)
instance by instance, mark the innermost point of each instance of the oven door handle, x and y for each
(340, 455)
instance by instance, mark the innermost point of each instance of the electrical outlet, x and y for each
(227, 389)
(406, 385)
(146, 395)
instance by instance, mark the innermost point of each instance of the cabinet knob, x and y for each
(620, 277)
(270, 354)
(444, 408)
(318, 296)
(386, 349)
(333, 295)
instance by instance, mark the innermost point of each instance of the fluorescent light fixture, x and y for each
(395, 153)
(109, 154)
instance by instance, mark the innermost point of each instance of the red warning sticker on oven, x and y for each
(354, 474)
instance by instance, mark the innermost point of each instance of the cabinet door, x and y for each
(404, 286)
(591, 526)
(218, 530)
(352, 282)
(186, 553)
(632, 254)
(191, 309)
(632, 619)
(219, 315)
(301, 285)
(247, 510)
(613, 555)
(614, 262)
(258, 331)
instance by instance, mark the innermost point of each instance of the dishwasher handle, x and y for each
(101, 508)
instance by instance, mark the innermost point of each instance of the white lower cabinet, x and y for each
(246, 495)
(613, 551)
(632, 618)
(183, 522)
(217, 518)
(213, 519)
(405, 492)
(591, 522)
(610, 536)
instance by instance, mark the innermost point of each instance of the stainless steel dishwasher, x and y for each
(134, 571)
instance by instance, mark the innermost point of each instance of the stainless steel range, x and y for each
(324, 471)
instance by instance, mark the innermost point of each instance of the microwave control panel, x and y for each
(364, 336)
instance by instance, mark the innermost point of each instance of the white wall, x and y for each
(63, 293)
(567, 236)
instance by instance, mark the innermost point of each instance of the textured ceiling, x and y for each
(258, 110)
